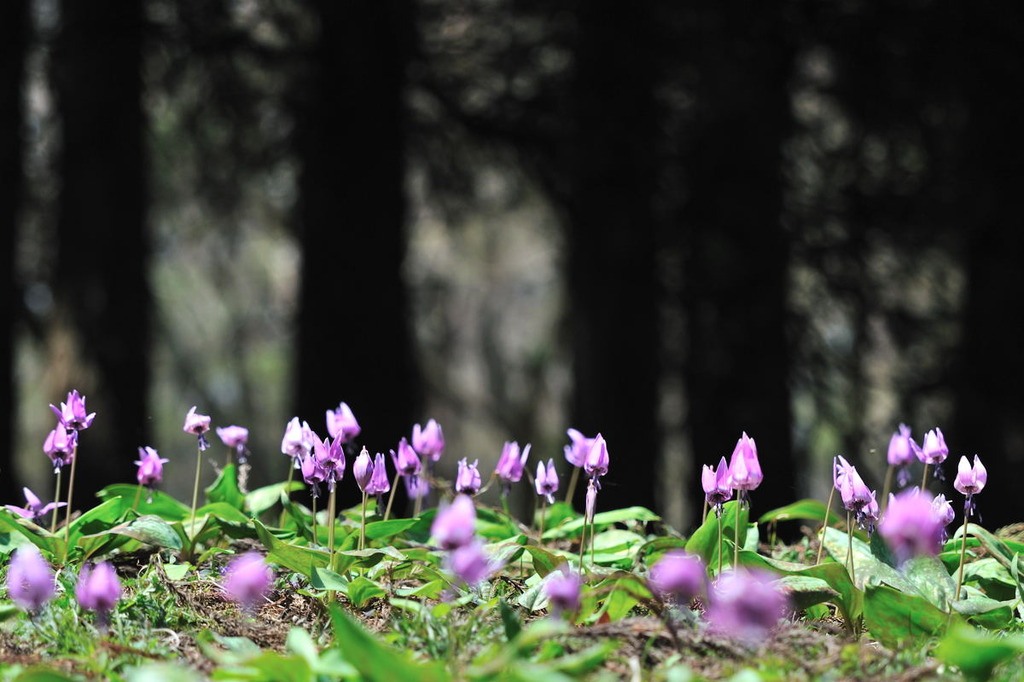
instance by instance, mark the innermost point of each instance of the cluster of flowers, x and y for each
(454, 529)
(31, 583)
(742, 474)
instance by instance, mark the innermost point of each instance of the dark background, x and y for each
(666, 221)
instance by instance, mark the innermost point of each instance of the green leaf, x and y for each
(162, 672)
(149, 529)
(867, 568)
(513, 626)
(988, 613)
(544, 561)
(806, 510)
(374, 660)
(975, 652)
(42, 675)
(380, 530)
(805, 591)
(931, 580)
(897, 619)
(161, 504)
(361, 591)
(629, 514)
(299, 559)
(850, 600)
(262, 499)
(326, 579)
(225, 489)
(705, 541)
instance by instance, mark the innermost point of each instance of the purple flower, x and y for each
(407, 462)
(468, 478)
(297, 441)
(910, 527)
(312, 474)
(34, 507)
(330, 458)
(745, 605)
(901, 450)
(934, 450)
(547, 480)
(151, 466)
(379, 483)
(98, 589)
(511, 462)
(72, 414)
(576, 454)
(416, 487)
(362, 469)
(562, 588)
(341, 423)
(236, 437)
(717, 485)
(428, 440)
(455, 524)
(248, 580)
(197, 424)
(970, 480)
(856, 495)
(29, 579)
(470, 563)
(679, 575)
(744, 469)
(590, 504)
(596, 462)
(942, 510)
(60, 446)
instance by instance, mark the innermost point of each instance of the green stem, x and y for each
(71, 490)
(824, 525)
(543, 508)
(391, 497)
(849, 547)
(56, 499)
(138, 496)
(195, 493)
(316, 540)
(924, 479)
(720, 533)
(963, 559)
(362, 525)
(330, 527)
(887, 488)
(736, 543)
(573, 480)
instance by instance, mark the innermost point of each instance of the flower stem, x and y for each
(924, 479)
(849, 546)
(362, 525)
(543, 508)
(316, 540)
(887, 488)
(824, 525)
(56, 499)
(963, 559)
(720, 531)
(71, 490)
(391, 498)
(138, 496)
(573, 480)
(195, 493)
(330, 527)
(736, 543)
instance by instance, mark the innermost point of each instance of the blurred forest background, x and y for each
(666, 221)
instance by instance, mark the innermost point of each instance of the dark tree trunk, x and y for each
(354, 327)
(613, 287)
(987, 388)
(102, 249)
(13, 44)
(735, 252)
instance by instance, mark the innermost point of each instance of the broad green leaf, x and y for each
(375, 660)
(99, 518)
(361, 591)
(162, 672)
(42, 675)
(805, 591)
(897, 619)
(629, 514)
(262, 499)
(509, 620)
(544, 561)
(705, 540)
(299, 559)
(365, 558)
(8, 611)
(988, 613)
(931, 580)
(225, 489)
(867, 569)
(850, 600)
(150, 502)
(975, 652)
(380, 530)
(991, 576)
(801, 510)
(149, 529)
(326, 579)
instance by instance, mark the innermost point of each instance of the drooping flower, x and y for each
(379, 483)
(60, 446)
(428, 441)
(312, 473)
(934, 450)
(744, 469)
(901, 452)
(547, 480)
(362, 469)
(197, 424)
(943, 512)
(98, 589)
(562, 588)
(29, 579)
(34, 507)
(970, 480)
(854, 492)
(330, 457)
(151, 466)
(72, 414)
(297, 441)
(511, 463)
(248, 580)
(745, 605)
(596, 462)
(236, 437)
(341, 423)
(576, 454)
(717, 485)
(679, 575)
(407, 462)
(910, 527)
(416, 487)
(468, 479)
(470, 563)
(455, 524)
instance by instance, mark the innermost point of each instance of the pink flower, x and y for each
(745, 605)
(98, 589)
(248, 580)
(379, 483)
(341, 423)
(910, 527)
(34, 507)
(330, 458)
(416, 487)
(362, 469)
(596, 462)
(236, 437)
(60, 446)
(407, 462)
(197, 424)
(511, 462)
(547, 480)
(933, 450)
(901, 450)
(72, 414)
(455, 524)
(717, 485)
(854, 492)
(744, 469)
(468, 478)
(297, 441)
(29, 579)
(576, 454)
(151, 466)
(428, 441)
(470, 563)
(562, 588)
(679, 575)
(970, 480)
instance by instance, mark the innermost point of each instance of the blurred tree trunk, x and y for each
(13, 45)
(987, 381)
(102, 287)
(612, 280)
(354, 338)
(735, 252)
